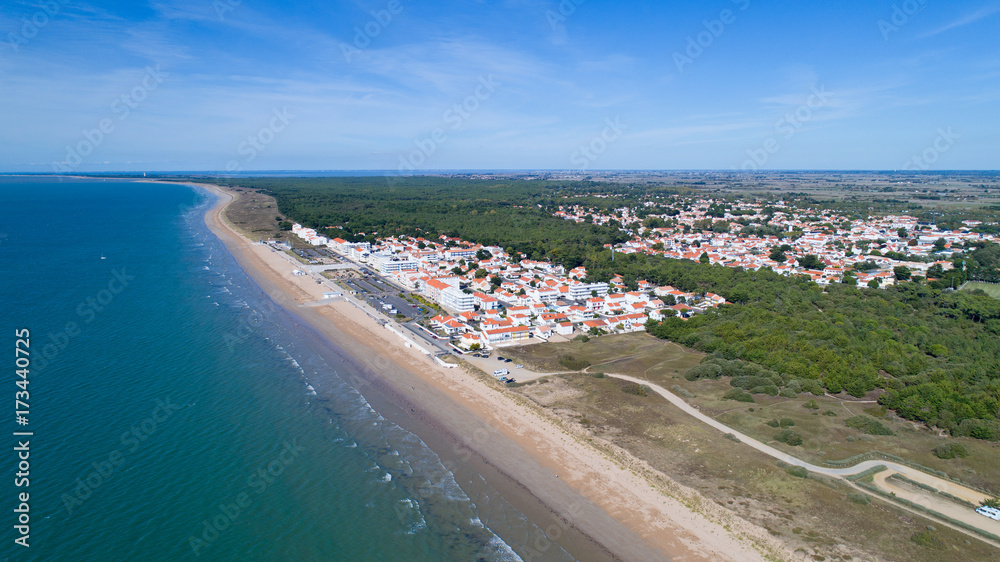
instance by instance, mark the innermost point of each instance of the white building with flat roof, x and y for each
(456, 301)
(387, 265)
(584, 291)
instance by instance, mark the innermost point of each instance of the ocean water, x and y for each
(177, 413)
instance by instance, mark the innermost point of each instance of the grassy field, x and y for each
(816, 517)
(988, 288)
(636, 354)
(826, 437)
(255, 216)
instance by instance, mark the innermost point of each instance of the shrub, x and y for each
(950, 451)
(572, 363)
(798, 471)
(980, 429)
(773, 423)
(788, 437)
(868, 425)
(787, 393)
(830, 413)
(860, 499)
(703, 371)
(812, 405)
(737, 394)
(597, 375)
(786, 422)
(681, 391)
(583, 338)
(634, 389)
(926, 539)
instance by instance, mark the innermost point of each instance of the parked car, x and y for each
(519, 366)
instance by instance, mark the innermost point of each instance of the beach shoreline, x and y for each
(593, 506)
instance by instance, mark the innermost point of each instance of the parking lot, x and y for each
(491, 363)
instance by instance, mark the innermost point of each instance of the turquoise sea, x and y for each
(178, 414)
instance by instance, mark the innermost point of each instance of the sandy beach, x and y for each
(595, 504)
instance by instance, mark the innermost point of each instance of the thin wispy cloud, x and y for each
(967, 19)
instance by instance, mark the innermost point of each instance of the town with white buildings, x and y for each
(489, 298)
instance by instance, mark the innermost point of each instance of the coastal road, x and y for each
(950, 509)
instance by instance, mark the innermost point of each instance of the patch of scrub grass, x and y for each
(637, 354)
(826, 437)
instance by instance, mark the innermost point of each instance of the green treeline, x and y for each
(515, 215)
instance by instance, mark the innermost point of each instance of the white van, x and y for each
(990, 512)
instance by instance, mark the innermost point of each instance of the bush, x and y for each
(681, 391)
(860, 499)
(582, 338)
(788, 437)
(703, 371)
(634, 389)
(830, 413)
(597, 375)
(868, 425)
(572, 363)
(798, 471)
(812, 405)
(786, 422)
(926, 539)
(737, 394)
(773, 423)
(950, 451)
(988, 430)
(787, 393)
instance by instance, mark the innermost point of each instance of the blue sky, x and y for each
(407, 84)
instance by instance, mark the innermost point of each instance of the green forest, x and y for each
(934, 353)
